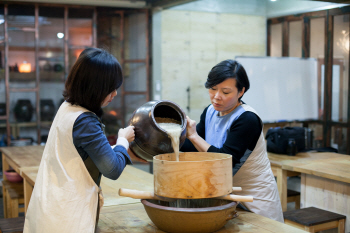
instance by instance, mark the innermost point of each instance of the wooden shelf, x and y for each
(30, 77)
(26, 124)
(15, 126)
(41, 49)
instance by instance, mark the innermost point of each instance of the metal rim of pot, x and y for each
(173, 105)
(187, 210)
(135, 145)
(158, 158)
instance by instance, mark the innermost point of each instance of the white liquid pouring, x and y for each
(174, 132)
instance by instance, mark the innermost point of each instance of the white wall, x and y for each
(190, 43)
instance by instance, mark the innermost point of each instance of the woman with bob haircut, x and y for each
(230, 126)
(66, 197)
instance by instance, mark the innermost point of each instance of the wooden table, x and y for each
(325, 183)
(26, 160)
(278, 160)
(29, 175)
(17, 157)
(131, 178)
(20, 157)
(133, 218)
(123, 214)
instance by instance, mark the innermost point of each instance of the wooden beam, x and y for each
(268, 39)
(66, 43)
(285, 39)
(37, 74)
(327, 117)
(122, 58)
(339, 11)
(148, 45)
(7, 75)
(289, 18)
(305, 40)
(348, 116)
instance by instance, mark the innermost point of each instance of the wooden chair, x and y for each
(11, 225)
(13, 196)
(313, 219)
(293, 196)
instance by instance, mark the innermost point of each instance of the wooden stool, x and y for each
(11, 224)
(13, 196)
(313, 219)
(293, 196)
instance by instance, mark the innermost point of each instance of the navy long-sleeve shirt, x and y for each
(90, 141)
(244, 134)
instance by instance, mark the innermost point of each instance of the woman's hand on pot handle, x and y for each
(134, 157)
(128, 133)
(191, 133)
(191, 130)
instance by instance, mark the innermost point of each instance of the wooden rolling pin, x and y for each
(136, 194)
(236, 189)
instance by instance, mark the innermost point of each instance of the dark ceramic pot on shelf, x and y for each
(23, 110)
(150, 139)
(2, 109)
(58, 68)
(47, 109)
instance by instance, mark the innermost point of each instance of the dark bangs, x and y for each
(228, 69)
(94, 75)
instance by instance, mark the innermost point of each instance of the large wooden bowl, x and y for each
(190, 220)
(196, 175)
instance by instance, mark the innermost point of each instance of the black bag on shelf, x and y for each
(287, 140)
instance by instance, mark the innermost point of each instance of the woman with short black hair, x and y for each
(66, 196)
(94, 75)
(230, 126)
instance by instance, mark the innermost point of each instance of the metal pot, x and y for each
(190, 220)
(150, 139)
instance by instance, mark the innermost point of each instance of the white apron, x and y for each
(253, 172)
(65, 197)
(256, 179)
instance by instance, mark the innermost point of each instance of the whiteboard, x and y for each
(281, 89)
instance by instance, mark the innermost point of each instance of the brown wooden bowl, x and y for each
(190, 220)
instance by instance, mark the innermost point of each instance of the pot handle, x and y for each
(232, 215)
(236, 189)
(236, 198)
(136, 194)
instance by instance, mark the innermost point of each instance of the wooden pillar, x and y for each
(94, 28)
(122, 63)
(268, 39)
(148, 29)
(327, 128)
(66, 41)
(7, 75)
(348, 118)
(37, 76)
(306, 37)
(285, 39)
